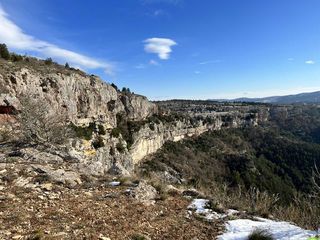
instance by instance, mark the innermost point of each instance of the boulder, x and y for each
(61, 176)
(145, 193)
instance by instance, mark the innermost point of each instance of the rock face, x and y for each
(83, 98)
(148, 141)
(87, 101)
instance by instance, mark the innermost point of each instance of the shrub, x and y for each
(16, 57)
(4, 53)
(260, 234)
(48, 61)
(151, 126)
(101, 130)
(98, 143)
(120, 147)
(115, 86)
(115, 132)
(84, 132)
(138, 236)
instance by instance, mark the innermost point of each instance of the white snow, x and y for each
(200, 206)
(241, 228)
(114, 183)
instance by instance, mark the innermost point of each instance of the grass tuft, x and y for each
(260, 234)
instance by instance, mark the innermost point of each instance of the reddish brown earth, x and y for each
(96, 213)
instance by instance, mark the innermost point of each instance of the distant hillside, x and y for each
(313, 97)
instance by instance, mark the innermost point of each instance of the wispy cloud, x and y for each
(153, 62)
(197, 72)
(160, 46)
(16, 39)
(290, 59)
(158, 12)
(140, 66)
(209, 62)
(310, 62)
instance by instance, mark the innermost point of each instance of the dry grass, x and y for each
(303, 211)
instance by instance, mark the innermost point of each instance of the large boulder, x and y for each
(145, 193)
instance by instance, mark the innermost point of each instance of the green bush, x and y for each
(84, 132)
(115, 132)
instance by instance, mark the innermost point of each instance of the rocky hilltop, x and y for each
(120, 127)
(80, 159)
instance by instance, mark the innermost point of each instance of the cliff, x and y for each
(123, 127)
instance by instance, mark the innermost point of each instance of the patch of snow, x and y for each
(114, 183)
(231, 212)
(240, 230)
(201, 207)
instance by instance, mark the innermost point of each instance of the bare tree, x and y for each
(40, 124)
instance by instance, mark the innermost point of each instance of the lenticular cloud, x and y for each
(159, 46)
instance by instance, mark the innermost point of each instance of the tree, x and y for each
(48, 61)
(16, 57)
(41, 124)
(126, 90)
(4, 52)
(114, 86)
(67, 66)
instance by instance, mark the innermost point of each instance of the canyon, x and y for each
(86, 100)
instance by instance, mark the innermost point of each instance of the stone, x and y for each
(145, 193)
(37, 156)
(101, 237)
(46, 186)
(69, 178)
(17, 237)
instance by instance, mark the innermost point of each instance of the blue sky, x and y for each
(176, 48)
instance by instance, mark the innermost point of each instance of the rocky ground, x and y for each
(38, 202)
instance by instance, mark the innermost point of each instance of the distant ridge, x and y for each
(313, 97)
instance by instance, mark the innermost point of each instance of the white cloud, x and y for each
(159, 46)
(140, 66)
(197, 72)
(16, 39)
(310, 62)
(153, 62)
(290, 59)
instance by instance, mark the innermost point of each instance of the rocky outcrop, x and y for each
(89, 102)
(148, 141)
(83, 98)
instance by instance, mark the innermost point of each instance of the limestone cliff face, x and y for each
(148, 140)
(83, 98)
(86, 99)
